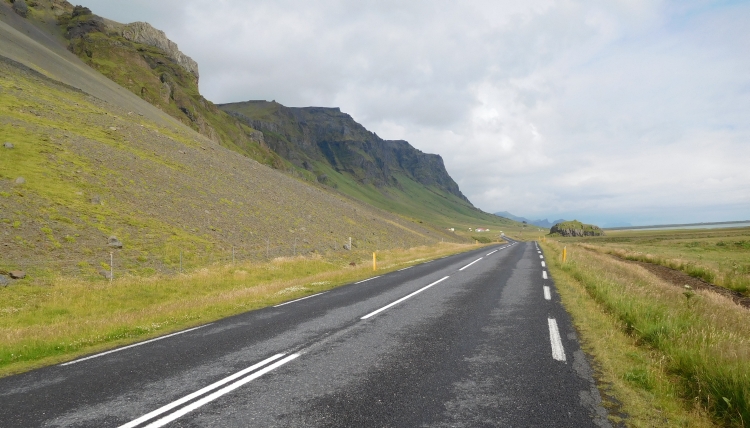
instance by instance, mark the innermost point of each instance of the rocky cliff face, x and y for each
(576, 228)
(144, 33)
(307, 136)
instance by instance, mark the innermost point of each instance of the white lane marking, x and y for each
(301, 298)
(405, 268)
(471, 263)
(492, 252)
(368, 279)
(132, 346)
(403, 298)
(544, 274)
(558, 352)
(541, 256)
(547, 295)
(543, 265)
(198, 393)
(227, 389)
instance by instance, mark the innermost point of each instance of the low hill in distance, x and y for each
(539, 222)
(575, 228)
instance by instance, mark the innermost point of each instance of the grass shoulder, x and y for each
(669, 359)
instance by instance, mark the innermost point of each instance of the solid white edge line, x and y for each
(213, 396)
(301, 298)
(544, 274)
(198, 393)
(543, 265)
(368, 279)
(558, 352)
(405, 268)
(132, 346)
(547, 295)
(403, 298)
(493, 252)
(471, 263)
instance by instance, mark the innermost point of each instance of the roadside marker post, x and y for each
(374, 262)
(565, 253)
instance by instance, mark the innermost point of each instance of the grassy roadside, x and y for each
(45, 325)
(672, 357)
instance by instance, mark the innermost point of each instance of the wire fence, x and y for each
(173, 258)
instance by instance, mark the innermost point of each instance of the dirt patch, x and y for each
(680, 279)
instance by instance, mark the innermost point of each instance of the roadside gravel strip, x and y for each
(474, 339)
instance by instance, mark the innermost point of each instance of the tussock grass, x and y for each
(71, 317)
(697, 343)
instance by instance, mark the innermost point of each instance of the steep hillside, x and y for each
(333, 149)
(143, 60)
(77, 171)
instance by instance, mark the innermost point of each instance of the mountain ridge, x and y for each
(539, 222)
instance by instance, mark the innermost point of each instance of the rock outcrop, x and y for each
(576, 228)
(144, 33)
(309, 135)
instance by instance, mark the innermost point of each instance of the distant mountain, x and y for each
(541, 223)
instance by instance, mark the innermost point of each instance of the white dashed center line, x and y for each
(403, 298)
(544, 274)
(543, 265)
(471, 263)
(547, 294)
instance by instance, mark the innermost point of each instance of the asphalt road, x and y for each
(473, 340)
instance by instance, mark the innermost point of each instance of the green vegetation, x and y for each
(674, 354)
(575, 228)
(718, 256)
(68, 317)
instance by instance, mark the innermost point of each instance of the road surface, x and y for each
(478, 339)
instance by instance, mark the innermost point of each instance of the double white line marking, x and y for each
(212, 396)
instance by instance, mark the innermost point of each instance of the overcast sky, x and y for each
(609, 112)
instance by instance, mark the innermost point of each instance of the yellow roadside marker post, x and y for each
(565, 253)
(374, 262)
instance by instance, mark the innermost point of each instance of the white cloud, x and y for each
(619, 111)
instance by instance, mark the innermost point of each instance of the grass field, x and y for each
(44, 325)
(718, 256)
(671, 356)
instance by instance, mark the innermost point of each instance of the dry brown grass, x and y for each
(45, 325)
